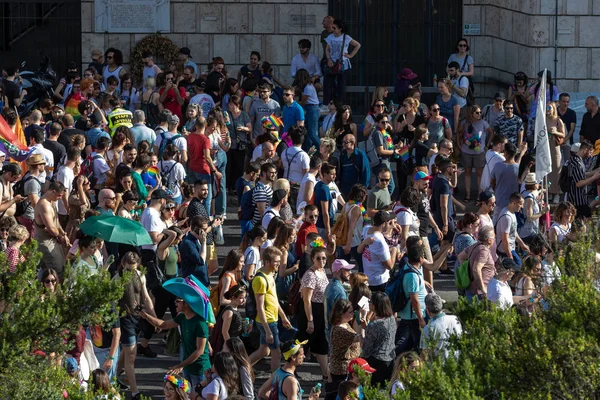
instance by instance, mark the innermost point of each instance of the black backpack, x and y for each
(563, 179)
(251, 312)
(19, 188)
(395, 288)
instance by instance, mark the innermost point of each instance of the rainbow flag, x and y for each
(11, 144)
(271, 122)
(404, 153)
(154, 172)
(71, 105)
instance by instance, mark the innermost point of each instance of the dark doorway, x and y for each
(30, 30)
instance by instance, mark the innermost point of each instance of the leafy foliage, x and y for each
(554, 353)
(36, 328)
(160, 46)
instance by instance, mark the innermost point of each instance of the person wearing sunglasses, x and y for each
(509, 125)
(491, 112)
(474, 135)
(438, 126)
(377, 108)
(50, 280)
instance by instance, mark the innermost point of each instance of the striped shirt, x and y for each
(576, 195)
(261, 194)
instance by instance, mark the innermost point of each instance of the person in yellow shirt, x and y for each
(268, 310)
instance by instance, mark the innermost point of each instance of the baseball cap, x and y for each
(173, 119)
(186, 51)
(59, 106)
(340, 264)
(96, 54)
(278, 195)
(575, 147)
(421, 176)
(200, 83)
(362, 363)
(484, 196)
(159, 194)
(499, 96)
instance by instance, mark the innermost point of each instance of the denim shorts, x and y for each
(274, 330)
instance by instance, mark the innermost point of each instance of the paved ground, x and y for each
(150, 372)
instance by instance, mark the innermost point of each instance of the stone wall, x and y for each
(519, 35)
(226, 28)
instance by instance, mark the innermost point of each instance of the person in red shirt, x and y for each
(171, 96)
(201, 165)
(311, 213)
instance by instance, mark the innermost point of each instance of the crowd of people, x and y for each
(342, 223)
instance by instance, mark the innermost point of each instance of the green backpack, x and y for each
(464, 276)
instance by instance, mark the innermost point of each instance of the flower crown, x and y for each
(318, 242)
(180, 383)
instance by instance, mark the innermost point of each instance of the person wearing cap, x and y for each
(184, 55)
(171, 96)
(498, 288)
(47, 231)
(579, 178)
(278, 201)
(204, 101)
(353, 366)
(97, 60)
(531, 208)
(377, 257)
(491, 112)
(441, 327)
(284, 379)
(32, 188)
(340, 274)
(509, 124)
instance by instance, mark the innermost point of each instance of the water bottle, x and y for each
(246, 327)
(435, 79)
(92, 194)
(317, 388)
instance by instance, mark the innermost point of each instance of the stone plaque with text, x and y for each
(132, 16)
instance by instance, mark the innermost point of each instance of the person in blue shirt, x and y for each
(412, 317)
(354, 166)
(293, 113)
(193, 250)
(340, 274)
(324, 200)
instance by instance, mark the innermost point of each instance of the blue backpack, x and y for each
(395, 289)
(247, 206)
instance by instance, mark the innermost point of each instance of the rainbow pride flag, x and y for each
(10, 144)
(271, 122)
(154, 172)
(404, 153)
(72, 103)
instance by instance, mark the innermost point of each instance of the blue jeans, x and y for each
(192, 379)
(221, 199)
(470, 296)
(378, 168)
(311, 121)
(193, 177)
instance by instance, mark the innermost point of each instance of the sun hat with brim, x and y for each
(96, 54)
(36, 159)
(362, 363)
(530, 179)
(193, 292)
(408, 73)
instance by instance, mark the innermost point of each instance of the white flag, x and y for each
(543, 162)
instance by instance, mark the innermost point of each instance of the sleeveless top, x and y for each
(561, 233)
(169, 264)
(106, 73)
(530, 227)
(357, 232)
(151, 110)
(278, 377)
(236, 326)
(520, 286)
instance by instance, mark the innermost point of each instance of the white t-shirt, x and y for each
(308, 177)
(439, 329)
(407, 217)
(65, 176)
(373, 256)
(499, 292)
(48, 157)
(311, 92)
(176, 175)
(152, 222)
(491, 159)
(294, 164)
(215, 387)
(335, 193)
(100, 168)
(205, 102)
(268, 216)
(335, 47)
(252, 256)
(180, 142)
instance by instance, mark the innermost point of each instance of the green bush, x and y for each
(552, 354)
(31, 322)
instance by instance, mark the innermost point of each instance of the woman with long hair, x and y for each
(557, 132)
(288, 265)
(345, 341)
(449, 107)
(192, 113)
(176, 387)
(251, 244)
(438, 126)
(124, 184)
(101, 386)
(337, 52)
(311, 316)
(467, 227)
(464, 60)
(250, 70)
(343, 125)
(520, 95)
(564, 215)
(150, 103)
(420, 151)
(416, 93)
(235, 346)
(527, 280)
(231, 274)
(310, 101)
(230, 88)
(240, 128)
(404, 363)
(222, 378)
(377, 108)
(79, 204)
(50, 280)
(474, 135)
(229, 320)
(355, 211)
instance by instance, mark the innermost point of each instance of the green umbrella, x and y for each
(115, 229)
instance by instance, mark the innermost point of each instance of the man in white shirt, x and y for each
(204, 101)
(38, 135)
(66, 175)
(498, 290)
(440, 327)
(172, 136)
(295, 162)
(278, 201)
(308, 61)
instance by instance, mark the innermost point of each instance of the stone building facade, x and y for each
(225, 28)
